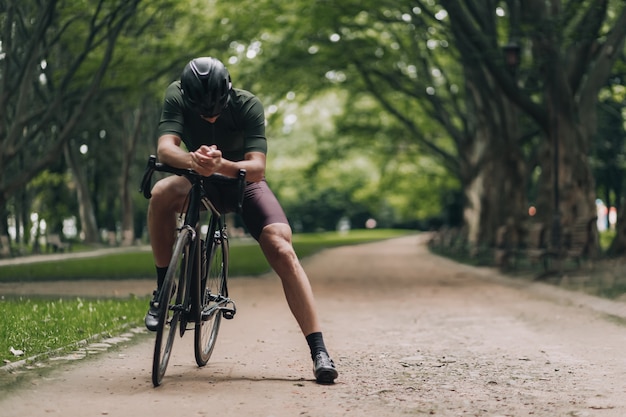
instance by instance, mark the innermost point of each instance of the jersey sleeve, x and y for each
(254, 126)
(172, 118)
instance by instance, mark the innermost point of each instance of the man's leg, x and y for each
(275, 241)
(168, 196)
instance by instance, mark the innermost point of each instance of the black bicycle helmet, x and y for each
(205, 84)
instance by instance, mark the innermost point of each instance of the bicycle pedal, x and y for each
(228, 313)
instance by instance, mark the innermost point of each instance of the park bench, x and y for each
(504, 248)
(534, 246)
(449, 240)
(443, 238)
(537, 250)
(54, 243)
(576, 243)
(455, 240)
(435, 240)
(578, 239)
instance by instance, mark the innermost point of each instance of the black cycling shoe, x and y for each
(324, 369)
(152, 316)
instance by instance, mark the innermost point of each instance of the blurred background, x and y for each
(478, 116)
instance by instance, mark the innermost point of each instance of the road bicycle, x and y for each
(194, 292)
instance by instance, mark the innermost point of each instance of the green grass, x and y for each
(310, 243)
(246, 259)
(133, 264)
(39, 326)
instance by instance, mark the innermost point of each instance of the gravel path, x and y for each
(412, 334)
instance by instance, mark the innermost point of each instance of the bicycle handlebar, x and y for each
(192, 176)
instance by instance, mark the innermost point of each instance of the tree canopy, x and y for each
(411, 113)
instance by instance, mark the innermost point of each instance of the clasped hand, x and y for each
(206, 160)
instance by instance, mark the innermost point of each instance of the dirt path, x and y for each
(412, 334)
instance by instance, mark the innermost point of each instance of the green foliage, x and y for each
(52, 198)
(271, 48)
(607, 158)
(606, 237)
(353, 166)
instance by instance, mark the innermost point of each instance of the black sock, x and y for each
(316, 344)
(161, 271)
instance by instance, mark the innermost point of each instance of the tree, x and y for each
(422, 92)
(95, 63)
(404, 55)
(48, 80)
(608, 155)
(569, 49)
(366, 51)
(405, 58)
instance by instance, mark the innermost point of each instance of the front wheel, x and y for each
(213, 293)
(170, 306)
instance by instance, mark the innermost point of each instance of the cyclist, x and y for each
(223, 130)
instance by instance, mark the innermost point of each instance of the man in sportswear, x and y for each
(223, 130)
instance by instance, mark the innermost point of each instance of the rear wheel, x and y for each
(213, 292)
(170, 306)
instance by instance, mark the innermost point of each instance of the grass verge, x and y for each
(246, 259)
(33, 326)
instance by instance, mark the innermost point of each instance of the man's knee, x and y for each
(168, 194)
(276, 240)
(277, 232)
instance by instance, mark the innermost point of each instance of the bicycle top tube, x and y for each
(192, 176)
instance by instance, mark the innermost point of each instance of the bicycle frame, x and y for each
(194, 301)
(197, 199)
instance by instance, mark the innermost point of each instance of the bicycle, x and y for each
(195, 286)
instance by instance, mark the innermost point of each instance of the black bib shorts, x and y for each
(260, 205)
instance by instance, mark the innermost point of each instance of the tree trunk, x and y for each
(496, 193)
(130, 145)
(494, 165)
(85, 206)
(568, 197)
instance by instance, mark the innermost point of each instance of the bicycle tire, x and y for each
(170, 311)
(212, 286)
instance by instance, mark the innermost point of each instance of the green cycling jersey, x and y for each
(238, 130)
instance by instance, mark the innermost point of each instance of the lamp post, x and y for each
(556, 212)
(512, 53)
